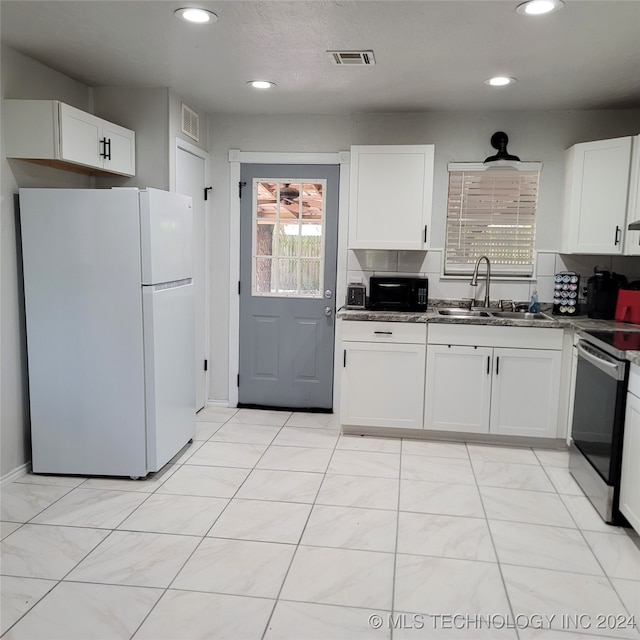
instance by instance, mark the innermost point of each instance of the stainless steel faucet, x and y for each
(474, 278)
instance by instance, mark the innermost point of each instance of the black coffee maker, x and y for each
(602, 293)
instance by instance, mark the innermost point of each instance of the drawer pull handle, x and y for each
(384, 333)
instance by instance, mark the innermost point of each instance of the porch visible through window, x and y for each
(288, 239)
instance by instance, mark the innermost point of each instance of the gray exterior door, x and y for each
(288, 249)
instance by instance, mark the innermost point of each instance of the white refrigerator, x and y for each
(109, 307)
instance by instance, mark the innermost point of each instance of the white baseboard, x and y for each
(20, 471)
(217, 403)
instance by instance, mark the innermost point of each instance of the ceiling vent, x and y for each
(357, 58)
(190, 123)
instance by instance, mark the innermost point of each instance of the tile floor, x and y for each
(273, 525)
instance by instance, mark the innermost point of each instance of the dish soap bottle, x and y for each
(534, 305)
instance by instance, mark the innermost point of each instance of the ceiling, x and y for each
(431, 55)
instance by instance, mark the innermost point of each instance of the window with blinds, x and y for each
(491, 211)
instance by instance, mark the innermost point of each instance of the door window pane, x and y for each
(288, 226)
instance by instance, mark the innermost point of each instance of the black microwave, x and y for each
(396, 293)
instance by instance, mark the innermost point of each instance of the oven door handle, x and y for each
(613, 369)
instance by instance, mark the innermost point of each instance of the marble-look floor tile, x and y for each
(554, 634)
(216, 414)
(297, 620)
(359, 491)
(44, 551)
(258, 416)
(295, 459)
(563, 481)
(194, 480)
(422, 626)
(204, 430)
(282, 486)
(517, 505)
(365, 463)
(585, 515)
(629, 592)
(435, 449)
(51, 481)
(446, 585)
(441, 497)
(136, 559)
(262, 520)
(228, 454)
(511, 476)
(186, 452)
(444, 536)
(369, 443)
(618, 555)
(165, 513)
(301, 437)
(102, 508)
(340, 576)
(74, 611)
(351, 528)
(186, 615)
(238, 567)
(560, 596)
(454, 470)
(502, 454)
(18, 595)
(7, 528)
(329, 421)
(143, 485)
(245, 433)
(552, 457)
(20, 502)
(542, 546)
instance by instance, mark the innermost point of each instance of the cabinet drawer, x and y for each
(392, 332)
(495, 336)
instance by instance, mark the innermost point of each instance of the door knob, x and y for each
(328, 311)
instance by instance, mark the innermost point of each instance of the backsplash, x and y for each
(362, 264)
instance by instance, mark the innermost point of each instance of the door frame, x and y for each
(180, 143)
(237, 158)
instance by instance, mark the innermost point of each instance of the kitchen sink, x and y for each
(519, 315)
(463, 313)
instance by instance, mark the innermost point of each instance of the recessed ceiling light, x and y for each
(199, 16)
(539, 7)
(261, 84)
(499, 81)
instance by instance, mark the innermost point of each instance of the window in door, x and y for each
(491, 211)
(288, 238)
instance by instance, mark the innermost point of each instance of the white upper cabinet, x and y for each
(596, 197)
(632, 238)
(51, 132)
(390, 197)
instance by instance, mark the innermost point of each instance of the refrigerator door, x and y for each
(81, 261)
(169, 347)
(166, 225)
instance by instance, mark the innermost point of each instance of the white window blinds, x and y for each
(491, 211)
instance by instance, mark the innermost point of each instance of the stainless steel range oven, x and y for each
(598, 417)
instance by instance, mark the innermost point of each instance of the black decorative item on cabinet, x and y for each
(566, 289)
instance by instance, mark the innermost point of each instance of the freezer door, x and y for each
(81, 258)
(166, 226)
(169, 352)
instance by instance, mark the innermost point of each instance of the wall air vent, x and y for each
(359, 58)
(190, 123)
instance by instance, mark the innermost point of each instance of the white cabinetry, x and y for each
(383, 374)
(390, 200)
(597, 183)
(630, 479)
(632, 238)
(498, 380)
(54, 133)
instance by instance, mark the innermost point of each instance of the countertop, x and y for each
(580, 322)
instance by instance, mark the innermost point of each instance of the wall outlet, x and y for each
(356, 280)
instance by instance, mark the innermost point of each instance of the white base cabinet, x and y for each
(480, 379)
(383, 374)
(630, 479)
(51, 132)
